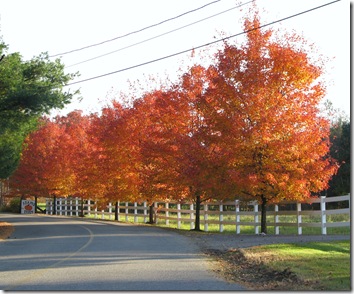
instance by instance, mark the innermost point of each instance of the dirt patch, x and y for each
(235, 266)
(6, 230)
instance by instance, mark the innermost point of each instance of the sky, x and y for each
(59, 26)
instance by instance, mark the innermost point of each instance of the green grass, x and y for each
(231, 229)
(327, 263)
(283, 230)
(41, 205)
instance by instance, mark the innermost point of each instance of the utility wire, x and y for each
(155, 37)
(204, 45)
(134, 32)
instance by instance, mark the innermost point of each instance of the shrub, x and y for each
(13, 206)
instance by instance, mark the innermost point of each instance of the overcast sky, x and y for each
(32, 27)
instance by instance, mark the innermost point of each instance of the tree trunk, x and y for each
(55, 205)
(22, 198)
(264, 215)
(151, 214)
(197, 211)
(116, 211)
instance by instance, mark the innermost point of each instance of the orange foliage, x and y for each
(278, 139)
(246, 127)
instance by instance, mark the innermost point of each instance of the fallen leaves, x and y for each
(235, 266)
(6, 230)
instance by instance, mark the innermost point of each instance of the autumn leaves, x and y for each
(247, 126)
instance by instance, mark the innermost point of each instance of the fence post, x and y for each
(156, 212)
(237, 211)
(145, 212)
(276, 219)
(167, 221)
(191, 216)
(47, 205)
(126, 211)
(255, 209)
(135, 212)
(71, 207)
(95, 212)
(60, 207)
(118, 211)
(66, 207)
(221, 217)
(323, 215)
(110, 210)
(206, 217)
(89, 207)
(178, 215)
(77, 207)
(299, 218)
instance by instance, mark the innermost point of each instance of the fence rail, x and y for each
(235, 213)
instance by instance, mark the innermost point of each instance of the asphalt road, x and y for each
(58, 253)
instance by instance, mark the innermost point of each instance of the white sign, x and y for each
(28, 207)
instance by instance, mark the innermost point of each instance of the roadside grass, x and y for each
(41, 205)
(325, 265)
(231, 229)
(283, 230)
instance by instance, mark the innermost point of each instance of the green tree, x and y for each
(28, 89)
(340, 150)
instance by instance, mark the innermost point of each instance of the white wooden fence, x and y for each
(235, 213)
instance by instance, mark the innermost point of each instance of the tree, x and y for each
(340, 150)
(28, 90)
(115, 154)
(36, 174)
(88, 160)
(153, 124)
(202, 159)
(53, 158)
(13, 131)
(246, 126)
(266, 95)
(71, 150)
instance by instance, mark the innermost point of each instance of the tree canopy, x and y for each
(28, 89)
(247, 126)
(340, 150)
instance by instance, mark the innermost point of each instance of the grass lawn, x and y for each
(326, 265)
(231, 229)
(284, 230)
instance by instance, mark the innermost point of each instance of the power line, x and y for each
(134, 32)
(204, 45)
(155, 37)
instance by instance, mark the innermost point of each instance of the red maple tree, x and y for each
(267, 93)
